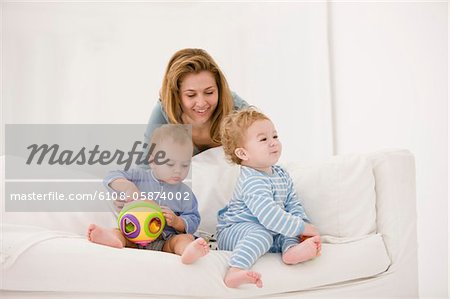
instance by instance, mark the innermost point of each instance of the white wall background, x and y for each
(389, 66)
(103, 62)
(386, 64)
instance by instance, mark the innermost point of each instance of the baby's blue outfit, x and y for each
(159, 117)
(147, 183)
(264, 215)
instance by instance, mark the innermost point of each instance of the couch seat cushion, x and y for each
(58, 262)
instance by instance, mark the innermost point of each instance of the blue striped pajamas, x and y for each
(264, 215)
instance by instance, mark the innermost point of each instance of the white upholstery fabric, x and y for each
(336, 194)
(213, 180)
(50, 263)
(374, 261)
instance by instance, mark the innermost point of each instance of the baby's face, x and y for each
(179, 161)
(262, 145)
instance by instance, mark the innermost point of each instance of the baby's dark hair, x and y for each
(233, 130)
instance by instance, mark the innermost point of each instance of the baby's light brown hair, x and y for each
(180, 134)
(234, 128)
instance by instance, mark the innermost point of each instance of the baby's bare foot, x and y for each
(104, 236)
(236, 277)
(306, 250)
(195, 250)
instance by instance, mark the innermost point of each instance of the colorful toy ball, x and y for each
(141, 222)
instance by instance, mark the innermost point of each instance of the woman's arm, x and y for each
(238, 102)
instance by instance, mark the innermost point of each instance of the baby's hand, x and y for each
(129, 197)
(310, 230)
(171, 218)
(120, 203)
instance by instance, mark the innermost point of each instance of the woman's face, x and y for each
(199, 97)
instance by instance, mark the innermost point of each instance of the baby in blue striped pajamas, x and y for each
(264, 214)
(182, 216)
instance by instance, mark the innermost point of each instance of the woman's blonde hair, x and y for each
(233, 130)
(188, 61)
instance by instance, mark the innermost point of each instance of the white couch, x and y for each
(363, 205)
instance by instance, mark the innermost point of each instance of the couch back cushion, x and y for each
(338, 195)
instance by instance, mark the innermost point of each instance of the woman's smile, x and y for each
(199, 96)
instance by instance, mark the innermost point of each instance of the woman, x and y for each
(194, 92)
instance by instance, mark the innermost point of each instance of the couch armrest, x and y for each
(395, 188)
